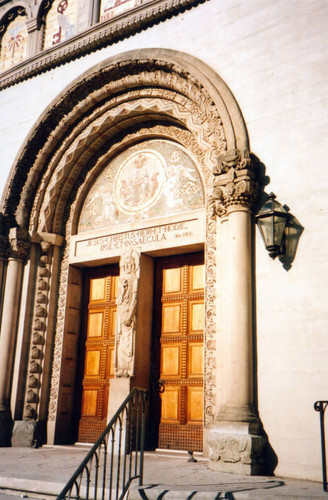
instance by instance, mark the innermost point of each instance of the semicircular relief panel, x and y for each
(151, 179)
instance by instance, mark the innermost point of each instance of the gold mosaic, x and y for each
(155, 178)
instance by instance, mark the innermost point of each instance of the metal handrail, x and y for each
(321, 406)
(116, 459)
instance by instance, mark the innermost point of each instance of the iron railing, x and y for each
(116, 459)
(321, 406)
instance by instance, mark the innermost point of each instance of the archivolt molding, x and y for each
(102, 131)
(127, 77)
(148, 93)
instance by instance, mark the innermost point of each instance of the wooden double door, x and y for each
(176, 413)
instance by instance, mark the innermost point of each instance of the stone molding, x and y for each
(236, 183)
(96, 37)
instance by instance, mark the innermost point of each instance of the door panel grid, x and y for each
(181, 338)
(99, 352)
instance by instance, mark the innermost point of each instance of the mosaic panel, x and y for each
(60, 22)
(14, 43)
(155, 178)
(112, 8)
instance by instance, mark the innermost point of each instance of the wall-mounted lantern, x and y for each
(279, 229)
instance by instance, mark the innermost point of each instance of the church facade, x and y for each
(140, 142)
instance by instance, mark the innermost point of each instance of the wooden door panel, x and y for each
(97, 289)
(171, 402)
(195, 359)
(172, 318)
(95, 324)
(196, 315)
(181, 331)
(197, 277)
(92, 363)
(90, 402)
(194, 405)
(110, 362)
(99, 346)
(172, 280)
(170, 361)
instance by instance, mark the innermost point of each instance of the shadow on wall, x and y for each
(270, 458)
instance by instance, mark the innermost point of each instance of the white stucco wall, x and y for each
(274, 58)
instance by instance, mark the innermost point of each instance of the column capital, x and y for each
(19, 243)
(236, 185)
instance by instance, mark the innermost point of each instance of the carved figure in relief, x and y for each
(126, 314)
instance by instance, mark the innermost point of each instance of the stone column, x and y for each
(34, 39)
(236, 440)
(19, 249)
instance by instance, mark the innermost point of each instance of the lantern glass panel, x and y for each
(278, 229)
(266, 229)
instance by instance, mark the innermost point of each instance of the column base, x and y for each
(236, 447)
(25, 434)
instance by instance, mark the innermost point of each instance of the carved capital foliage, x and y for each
(236, 182)
(19, 243)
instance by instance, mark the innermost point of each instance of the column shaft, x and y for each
(238, 365)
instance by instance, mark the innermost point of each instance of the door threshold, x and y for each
(177, 453)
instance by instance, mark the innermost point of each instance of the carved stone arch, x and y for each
(188, 92)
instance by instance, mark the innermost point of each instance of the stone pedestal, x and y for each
(119, 389)
(24, 434)
(236, 447)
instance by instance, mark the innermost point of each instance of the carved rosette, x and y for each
(34, 373)
(235, 183)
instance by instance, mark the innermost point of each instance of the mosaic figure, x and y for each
(126, 314)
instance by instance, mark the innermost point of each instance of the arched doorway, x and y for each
(134, 98)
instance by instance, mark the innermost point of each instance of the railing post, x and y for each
(321, 406)
(143, 398)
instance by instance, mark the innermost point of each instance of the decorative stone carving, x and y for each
(126, 313)
(31, 397)
(19, 243)
(35, 367)
(243, 446)
(39, 326)
(29, 411)
(36, 352)
(33, 382)
(37, 338)
(235, 183)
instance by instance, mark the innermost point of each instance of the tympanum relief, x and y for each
(152, 179)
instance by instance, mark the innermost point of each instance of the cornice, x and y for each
(96, 37)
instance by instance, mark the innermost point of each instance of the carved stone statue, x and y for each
(126, 314)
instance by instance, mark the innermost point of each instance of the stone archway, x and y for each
(154, 93)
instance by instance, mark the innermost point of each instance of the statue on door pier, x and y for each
(126, 313)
